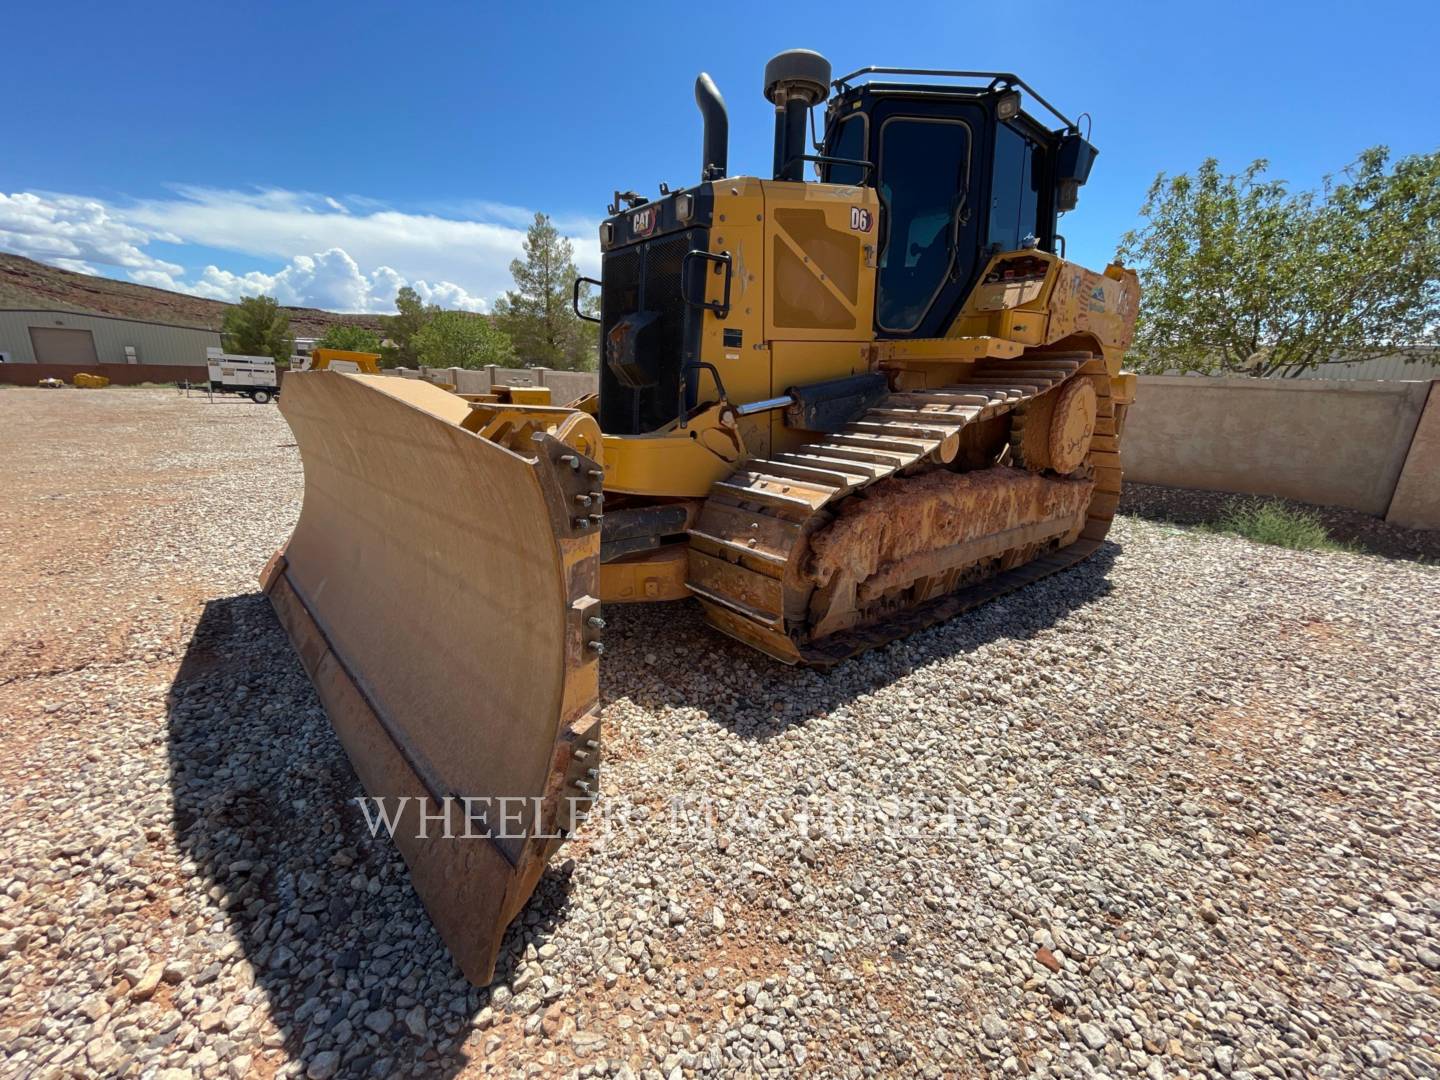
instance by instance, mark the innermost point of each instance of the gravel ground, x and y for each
(1175, 813)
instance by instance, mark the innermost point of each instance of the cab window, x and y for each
(923, 184)
(848, 142)
(1014, 194)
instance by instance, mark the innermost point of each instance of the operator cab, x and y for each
(961, 172)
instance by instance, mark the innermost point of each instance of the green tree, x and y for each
(1240, 275)
(257, 326)
(462, 339)
(401, 329)
(350, 338)
(536, 314)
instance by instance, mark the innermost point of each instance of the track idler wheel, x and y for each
(1072, 425)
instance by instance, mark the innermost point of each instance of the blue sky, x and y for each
(329, 153)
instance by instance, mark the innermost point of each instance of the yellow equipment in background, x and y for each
(86, 381)
(513, 395)
(832, 412)
(356, 363)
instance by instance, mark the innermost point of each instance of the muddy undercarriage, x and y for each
(931, 502)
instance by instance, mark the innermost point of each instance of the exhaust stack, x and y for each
(795, 81)
(715, 143)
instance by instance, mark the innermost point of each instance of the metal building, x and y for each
(126, 350)
(1421, 364)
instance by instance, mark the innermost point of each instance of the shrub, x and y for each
(349, 338)
(1274, 523)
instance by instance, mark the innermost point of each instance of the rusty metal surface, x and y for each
(901, 519)
(441, 595)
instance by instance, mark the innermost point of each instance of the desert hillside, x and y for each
(25, 283)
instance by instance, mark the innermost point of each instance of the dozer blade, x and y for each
(440, 589)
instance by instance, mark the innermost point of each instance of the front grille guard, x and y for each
(657, 275)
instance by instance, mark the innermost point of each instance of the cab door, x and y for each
(927, 157)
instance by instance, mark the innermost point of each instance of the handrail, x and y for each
(575, 297)
(722, 260)
(825, 159)
(685, 369)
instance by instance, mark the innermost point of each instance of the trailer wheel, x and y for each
(260, 397)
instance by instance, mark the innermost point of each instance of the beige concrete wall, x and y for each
(500, 376)
(1416, 504)
(1332, 444)
(466, 380)
(566, 386)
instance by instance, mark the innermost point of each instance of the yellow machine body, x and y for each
(802, 297)
(512, 395)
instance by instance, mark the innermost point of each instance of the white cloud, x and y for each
(75, 233)
(449, 295)
(160, 279)
(348, 254)
(330, 279)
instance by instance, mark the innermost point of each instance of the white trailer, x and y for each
(254, 376)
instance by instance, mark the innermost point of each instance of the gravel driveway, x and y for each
(1176, 813)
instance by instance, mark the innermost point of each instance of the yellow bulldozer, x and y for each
(832, 410)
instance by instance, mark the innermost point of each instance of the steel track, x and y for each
(751, 539)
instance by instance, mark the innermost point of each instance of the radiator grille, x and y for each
(647, 277)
